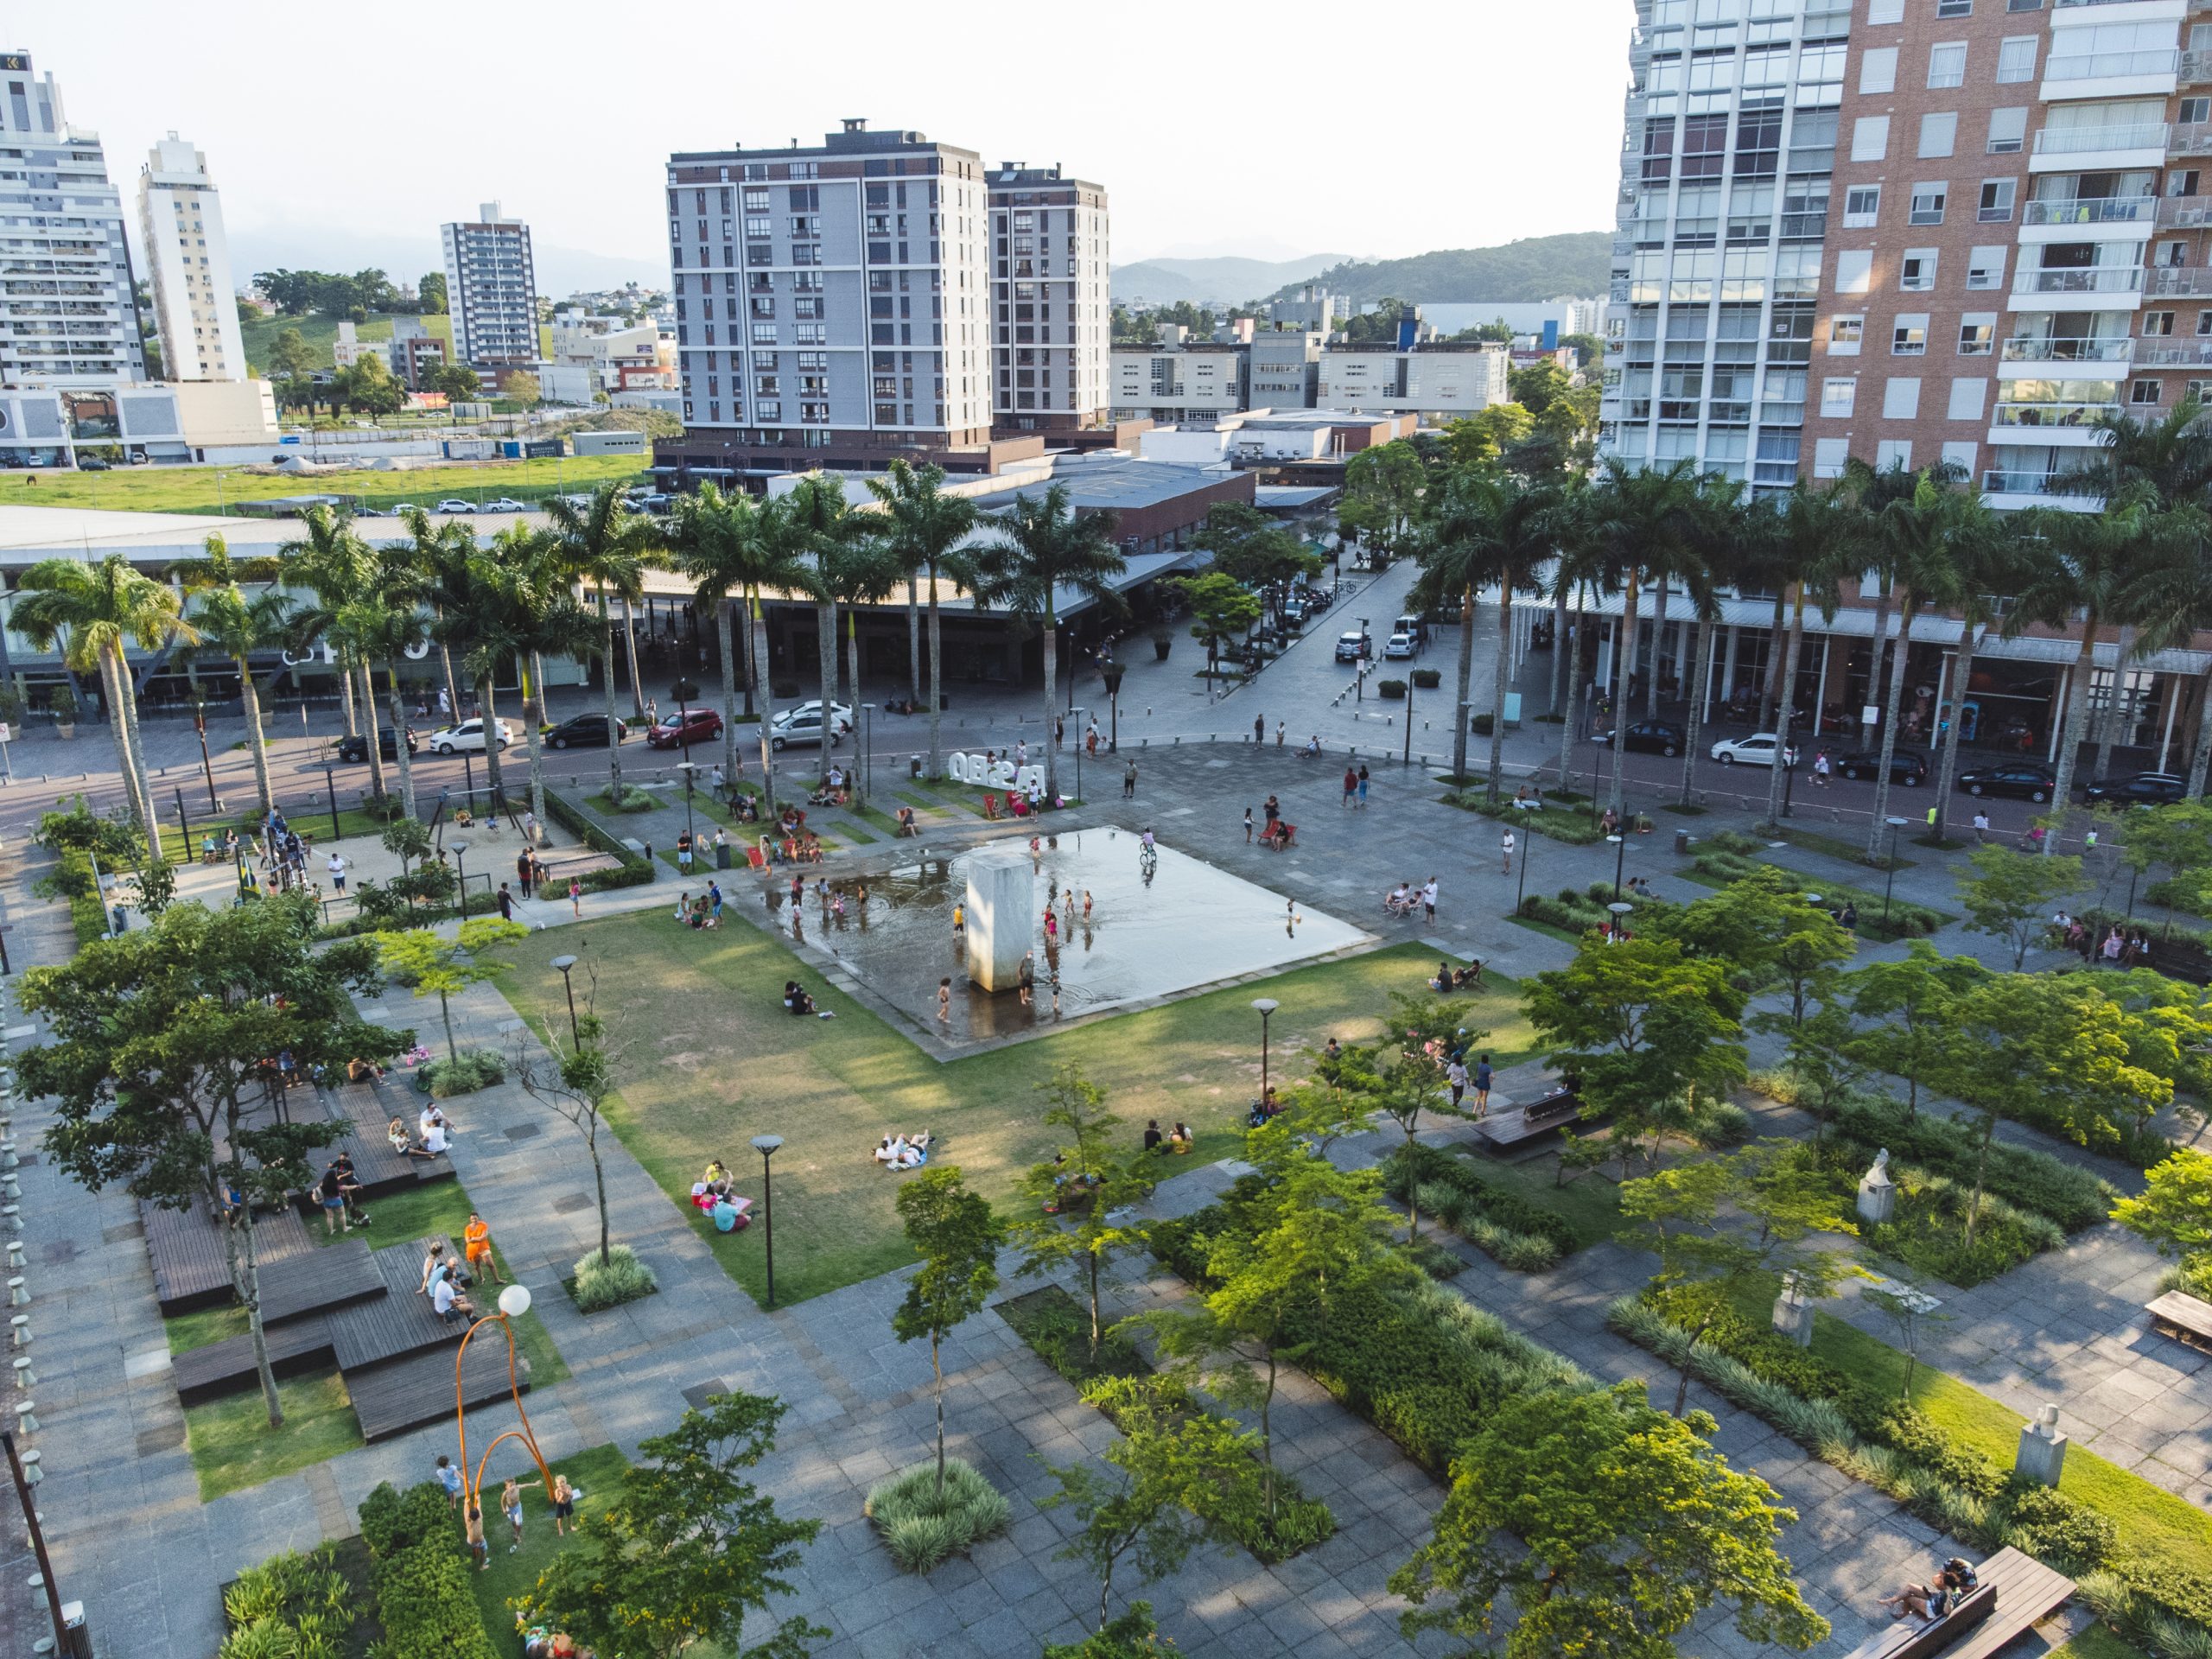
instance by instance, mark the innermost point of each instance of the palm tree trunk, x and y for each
(726, 638)
(637, 670)
(914, 640)
(120, 731)
(2201, 761)
(1460, 710)
(1558, 640)
(445, 666)
(853, 661)
(1624, 650)
(757, 643)
(937, 669)
(1893, 702)
(1573, 697)
(1051, 678)
(250, 695)
(492, 778)
(346, 697)
(399, 743)
(2109, 726)
(2070, 738)
(533, 738)
(376, 745)
(1497, 686)
(1692, 726)
(606, 691)
(825, 633)
(1773, 658)
(1962, 677)
(134, 740)
(1873, 669)
(1786, 694)
(1658, 650)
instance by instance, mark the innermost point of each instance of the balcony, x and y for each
(2052, 417)
(2069, 349)
(2092, 210)
(2035, 489)
(2192, 138)
(2175, 354)
(2196, 69)
(2167, 279)
(2111, 65)
(2065, 147)
(2092, 279)
(2186, 213)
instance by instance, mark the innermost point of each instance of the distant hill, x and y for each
(1535, 268)
(1166, 281)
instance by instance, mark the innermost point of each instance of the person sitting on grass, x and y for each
(1179, 1139)
(906, 824)
(796, 1000)
(902, 1151)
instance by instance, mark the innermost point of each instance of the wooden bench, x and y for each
(318, 1281)
(1518, 1125)
(397, 1323)
(227, 1367)
(2183, 1317)
(2015, 1593)
(367, 1109)
(189, 1250)
(404, 1393)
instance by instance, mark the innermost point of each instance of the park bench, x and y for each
(2015, 1591)
(367, 1108)
(227, 1367)
(189, 1251)
(2183, 1317)
(391, 1399)
(1516, 1126)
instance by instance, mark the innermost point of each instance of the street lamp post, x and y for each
(1409, 758)
(867, 749)
(1113, 671)
(1620, 861)
(330, 782)
(687, 767)
(1072, 713)
(765, 1145)
(1521, 887)
(460, 874)
(26, 1478)
(1620, 907)
(207, 767)
(567, 965)
(1895, 824)
(1266, 1006)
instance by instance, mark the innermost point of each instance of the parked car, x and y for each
(1352, 646)
(2144, 789)
(1399, 644)
(2027, 780)
(468, 735)
(684, 729)
(801, 728)
(355, 746)
(1906, 766)
(404, 508)
(583, 732)
(372, 513)
(812, 705)
(505, 504)
(91, 464)
(454, 504)
(1757, 750)
(1649, 737)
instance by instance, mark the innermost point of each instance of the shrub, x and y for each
(1058, 1328)
(1717, 1125)
(1721, 861)
(630, 871)
(1130, 1637)
(291, 1606)
(473, 1069)
(1452, 1190)
(1929, 1232)
(2043, 1522)
(421, 1576)
(1427, 678)
(923, 1528)
(621, 1278)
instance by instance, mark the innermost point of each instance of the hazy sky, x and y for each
(1296, 128)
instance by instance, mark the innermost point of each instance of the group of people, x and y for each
(798, 1003)
(700, 910)
(2122, 945)
(903, 1151)
(1404, 898)
(435, 1137)
(1355, 785)
(715, 1195)
(1448, 979)
(1176, 1141)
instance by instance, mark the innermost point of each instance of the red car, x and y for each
(681, 731)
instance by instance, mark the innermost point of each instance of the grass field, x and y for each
(593, 1473)
(194, 489)
(321, 333)
(713, 1060)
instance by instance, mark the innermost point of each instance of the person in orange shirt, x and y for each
(477, 1237)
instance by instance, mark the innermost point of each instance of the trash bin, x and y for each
(721, 855)
(1681, 842)
(913, 766)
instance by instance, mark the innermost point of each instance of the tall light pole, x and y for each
(1078, 750)
(26, 1478)
(1620, 907)
(687, 767)
(1113, 671)
(1620, 859)
(460, 874)
(1895, 824)
(1266, 1006)
(1521, 888)
(765, 1145)
(567, 965)
(867, 749)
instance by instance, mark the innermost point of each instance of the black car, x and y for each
(1906, 766)
(1650, 737)
(355, 746)
(583, 732)
(2144, 789)
(2022, 780)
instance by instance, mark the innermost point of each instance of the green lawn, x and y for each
(309, 821)
(194, 489)
(2098, 1643)
(2149, 1518)
(715, 1060)
(233, 1447)
(1590, 1203)
(593, 1473)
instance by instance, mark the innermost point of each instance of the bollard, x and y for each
(11, 1217)
(26, 1418)
(15, 1253)
(25, 1381)
(17, 1296)
(23, 1324)
(8, 1159)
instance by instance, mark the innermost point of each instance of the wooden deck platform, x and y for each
(189, 1251)
(365, 1109)
(226, 1367)
(391, 1399)
(1516, 1126)
(397, 1324)
(318, 1281)
(2016, 1591)
(2183, 1317)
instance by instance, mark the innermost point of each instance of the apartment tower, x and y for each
(189, 261)
(491, 289)
(68, 315)
(1051, 319)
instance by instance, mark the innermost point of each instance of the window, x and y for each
(1909, 335)
(1854, 271)
(2204, 322)
(1959, 455)
(1838, 397)
(1901, 397)
(1878, 71)
(1947, 65)
(1955, 8)
(1893, 453)
(2181, 181)
(1828, 456)
(2008, 130)
(1844, 334)
(1870, 138)
(2145, 392)
(1986, 267)
(1928, 202)
(764, 333)
(1862, 206)
(1967, 398)
(1997, 197)
(1916, 271)
(2157, 323)
(1977, 333)
(1939, 134)
(1886, 11)
(2016, 59)
(2195, 111)
(2173, 254)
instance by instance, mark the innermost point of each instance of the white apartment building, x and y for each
(491, 289)
(1052, 318)
(68, 317)
(189, 261)
(1440, 381)
(1179, 382)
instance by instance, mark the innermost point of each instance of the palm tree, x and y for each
(333, 563)
(1825, 535)
(385, 632)
(534, 615)
(928, 528)
(819, 518)
(2174, 596)
(1730, 532)
(472, 615)
(861, 570)
(609, 546)
(1980, 570)
(1040, 545)
(95, 611)
(238, 626)
(1578, 566)
(434, 552)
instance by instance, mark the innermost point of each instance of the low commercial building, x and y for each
(179, 421)
(1192, 381)
(1274, 437)
(1441, 381)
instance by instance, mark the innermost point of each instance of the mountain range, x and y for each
(1534, 268)
(1163, 281)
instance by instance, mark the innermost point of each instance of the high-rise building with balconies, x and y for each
(68, 315)
(492, 290)
(189, 260)
(1052, 321)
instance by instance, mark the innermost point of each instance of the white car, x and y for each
(454, 504)
(505, 504)
(1755, 751)
(1399, 645)
(468, 735)
(801, 726)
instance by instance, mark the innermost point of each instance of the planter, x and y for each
(65, 729)
(1160, 647)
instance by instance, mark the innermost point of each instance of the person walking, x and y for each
(506, 903)
(1428, 899)
(1484, 1078)
(1505, 848)
(1278, 734)
(1259, 728)
(1820, 767)
(337, 868)
(1362, 786)
(1352, 786)
(1248, 826)
(576, 898)
(1981, 825)
(522, 871)
(1456, 1075)
(1129, 783)
(1060, 732)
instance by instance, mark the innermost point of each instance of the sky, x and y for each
(341, 136)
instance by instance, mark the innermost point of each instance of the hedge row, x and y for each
(631, 870)
(1432, 1166)
(420, 1573)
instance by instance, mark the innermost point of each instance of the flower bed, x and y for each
(1501, 1224)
